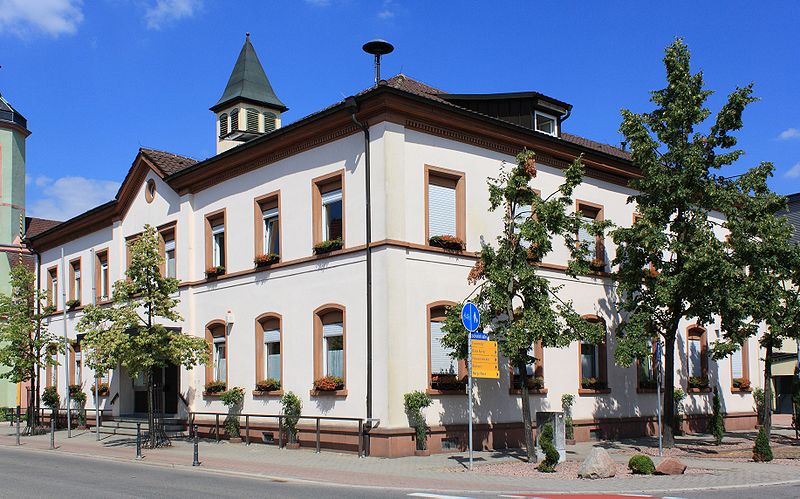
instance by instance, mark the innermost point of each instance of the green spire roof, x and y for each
(249, 82)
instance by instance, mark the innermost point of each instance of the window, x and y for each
(75, 280)
(252, 120)
(268, 228)
(150, 190)
(76, 369)
(445, 374)
(101, 277)
(217, 368)
(329, 335)
(589, 213)
(223, 124)
(444, 203)
(52, 288)
(546, 123)
(740, 372)
(270, 121)
(534, 370)
(235, 120)
(268, 347)
(328, 210)
(129, 242)
(593, 365)
(645, 370)
(697, 353)
(215, 240)
(521, 214)
(167, 243)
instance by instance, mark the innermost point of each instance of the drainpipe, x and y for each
(351, 105)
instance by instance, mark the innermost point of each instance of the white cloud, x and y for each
(789, 133)
(793, 172)
(52, 17)
(65, 197)
(164, 12)
(387, 12)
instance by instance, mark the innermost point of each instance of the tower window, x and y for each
(223, 124)
(269, 122)
(235, 120)
(252, 120)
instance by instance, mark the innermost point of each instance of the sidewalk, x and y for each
(442, 472)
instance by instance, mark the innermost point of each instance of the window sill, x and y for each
(272, 393)
(532, 391)
(434, 391)
(699, 390)
(214, 395)
(328, 393)
(741, 390)
(329, 253)
(591, 391)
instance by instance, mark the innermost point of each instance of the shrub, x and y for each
(264, 260)
(290, 408)
(103, 389)
(414, 402)
(77, 395)
(717, 424)
(567, 400)
(328, 246)
(50, 397)
(232, 399)
(216, 387)
(6, 414)
(329, 384)
(551, 456)
(641, 465)
(758, 398)
(761, 450)
(796, 401)
(73, 304)
(447, 242)
(268, 385)
(678, 395)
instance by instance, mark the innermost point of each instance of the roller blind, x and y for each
(332, 196)
(441, 210)
(695, 367)
(334, 329)
(441, 362)
(272, 335)
(737, 370)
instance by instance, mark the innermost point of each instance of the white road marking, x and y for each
(436, 496)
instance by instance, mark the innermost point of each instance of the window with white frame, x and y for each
(333, 349)
(590, 361)
(52, 288)
(104, 283)
(75, 288)
(77, 369)
(220, 360)
(218, 245)
(272, 353)
(332, 220)
(271, 231)
(546, 123)
(169, 255)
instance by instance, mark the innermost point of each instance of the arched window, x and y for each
(270, 121)
(235, 120)
(217, 367)
(593, 362)
(268, 348)
(223, 124)
(444, 372)
(329, 342)
(252, 120)
(697, 358)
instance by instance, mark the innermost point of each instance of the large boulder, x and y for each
(598, 465)
(670, 466)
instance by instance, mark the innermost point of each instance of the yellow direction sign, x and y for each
(484, 359)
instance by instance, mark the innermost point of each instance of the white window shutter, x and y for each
(441, 362)
(441, 210)
(737, 370)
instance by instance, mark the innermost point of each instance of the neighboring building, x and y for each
(284, 189)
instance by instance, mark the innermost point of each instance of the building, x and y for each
(282, 189)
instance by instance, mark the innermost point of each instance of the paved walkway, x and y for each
(442, 472)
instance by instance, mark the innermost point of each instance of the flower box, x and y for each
(597, 264)
(268, 385)
(103, 390)
(213, 272)
(593, 384)
(328, 246)
(328, 384)
(73, 304)
(741, 383)
(266, 260)
(532, 382)
(698, 382)
(215, 387)
(448, 382)
(450, 243)
(647, 384)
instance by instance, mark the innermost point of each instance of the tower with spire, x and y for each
(248, 107)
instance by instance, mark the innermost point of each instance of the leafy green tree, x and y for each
(518, 306)
(26, 345)
(129, 333)
(764, 266)
(670, 264)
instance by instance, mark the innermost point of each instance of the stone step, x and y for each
(131, 432)
(130, 425)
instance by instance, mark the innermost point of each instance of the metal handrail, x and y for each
(280, 418)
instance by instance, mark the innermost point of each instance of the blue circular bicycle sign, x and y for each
(470, 317)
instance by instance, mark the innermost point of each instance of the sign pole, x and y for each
(658, 397)
(469, 393)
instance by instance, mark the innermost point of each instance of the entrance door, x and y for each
(172, 385)
(164, 378)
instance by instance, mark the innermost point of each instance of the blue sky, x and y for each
(98, 79)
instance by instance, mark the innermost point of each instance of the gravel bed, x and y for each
(567, 470)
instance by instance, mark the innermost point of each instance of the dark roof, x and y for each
(35, 226)
(410, 85)
(11, 115)
(169, 163)
(249, 82)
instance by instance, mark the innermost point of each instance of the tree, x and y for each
(518, 306)
(670, 264)
(764, 266)
(128, 333)
(26, 345)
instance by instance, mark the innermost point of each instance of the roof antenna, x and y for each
(378, 48)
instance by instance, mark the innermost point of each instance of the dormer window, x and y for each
(545, 123)
(223, 124)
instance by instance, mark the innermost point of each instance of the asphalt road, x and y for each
(26, 473)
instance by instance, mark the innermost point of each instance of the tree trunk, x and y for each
(151, 421)
(668, 415)
(530, 445)
(767, 422)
